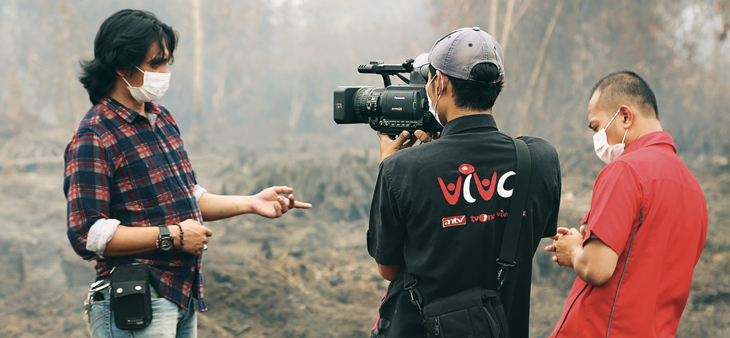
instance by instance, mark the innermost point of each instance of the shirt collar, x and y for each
(654, 138)
(125, 113)
(468, 122)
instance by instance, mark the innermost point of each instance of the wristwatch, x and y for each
(165, 242)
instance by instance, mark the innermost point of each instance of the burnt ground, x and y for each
(306, 274)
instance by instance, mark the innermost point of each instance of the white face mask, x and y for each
(433, 109)
(153, 88)
(605, 151)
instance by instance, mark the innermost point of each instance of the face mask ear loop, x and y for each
(428, 85)
(614, 116)
(125, 80)
(624, 139)
(439, 95)
(128, 85)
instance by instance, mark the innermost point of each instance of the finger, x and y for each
(556, 237)
(277, 209)
(550, 248)
(423, 137)
(555, 259)
(284, 203)
(208, 232)
(563, 230)
(302, 205)
(283, 189)
(583, 230)
(574, 232)
(404, 135)
(292, 202)
(410, 142)
(383, 137)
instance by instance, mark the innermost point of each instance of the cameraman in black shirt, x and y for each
(440, 208)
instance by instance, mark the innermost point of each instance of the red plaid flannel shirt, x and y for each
(119, 166)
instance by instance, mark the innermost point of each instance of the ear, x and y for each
(444, 82)
(123, 73)
(626, 116)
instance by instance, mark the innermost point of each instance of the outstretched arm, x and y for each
(268, 203)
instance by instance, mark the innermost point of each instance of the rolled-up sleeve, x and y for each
(198, 192)
(88, 178)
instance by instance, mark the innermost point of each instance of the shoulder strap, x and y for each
(409, 284)
(516, 208)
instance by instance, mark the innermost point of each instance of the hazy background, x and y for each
(252, 90)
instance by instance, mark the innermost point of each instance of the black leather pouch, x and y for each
(475, 312)
(130, 298)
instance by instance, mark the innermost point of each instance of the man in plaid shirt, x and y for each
(132, 194)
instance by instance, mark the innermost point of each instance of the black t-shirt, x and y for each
(440, 208)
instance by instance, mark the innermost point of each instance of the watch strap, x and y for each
(164, 235)
(164, 230)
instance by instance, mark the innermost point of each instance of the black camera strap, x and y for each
(508, 251)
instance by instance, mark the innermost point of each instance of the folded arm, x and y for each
(593, 261)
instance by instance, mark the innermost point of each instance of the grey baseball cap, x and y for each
(458, 52)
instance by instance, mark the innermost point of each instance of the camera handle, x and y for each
(377, 67)
(408, 66)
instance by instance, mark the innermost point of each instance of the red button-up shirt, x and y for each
(648, 207)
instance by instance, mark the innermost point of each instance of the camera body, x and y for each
(390, 109)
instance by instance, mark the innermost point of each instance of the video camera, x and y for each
(392, 109)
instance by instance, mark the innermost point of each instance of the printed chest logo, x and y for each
(452, 192)
(454, 220)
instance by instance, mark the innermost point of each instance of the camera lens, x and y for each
(367, 102)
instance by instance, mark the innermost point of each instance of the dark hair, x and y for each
(122, 43)
(479, 94)
(626, 84)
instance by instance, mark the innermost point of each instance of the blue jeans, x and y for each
(169, 320)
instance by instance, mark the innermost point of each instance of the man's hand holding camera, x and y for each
(389, 144)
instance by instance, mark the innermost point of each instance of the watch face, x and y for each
(166, 244)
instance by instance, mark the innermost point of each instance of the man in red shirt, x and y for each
(641, 239)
